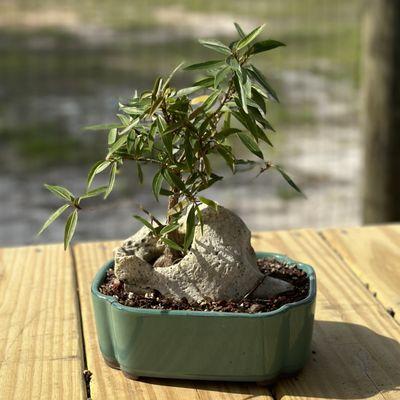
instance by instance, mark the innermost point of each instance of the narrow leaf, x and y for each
(112, 136)
(96, 169)
(242, 94)
(216, 45)
(53, 217)
(94, 192)
(60, 191)
(288, 179)
(144, 222)
(200, 218)
(265, 45)
(250, 144)
(117, 145)
(156, 184)
(208, 202)
(102, 127)
(111, 181)
(173, 180)
(239, 30)
(249, 38)
(70, 227)
(259, 77)
(220, 76)
(169, 228)
(189, 90)
(190, 228)
(204, 65)
(172, 244)
(170, 76)
(139, 173)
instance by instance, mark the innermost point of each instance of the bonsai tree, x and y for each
(176, 131)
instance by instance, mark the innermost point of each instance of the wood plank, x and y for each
(40, 346)
(373, 253)
(108, 383)
(356, 343)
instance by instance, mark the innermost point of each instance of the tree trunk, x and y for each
(170, 255)
(381, 124)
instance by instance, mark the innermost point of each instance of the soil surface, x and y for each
(153, 299)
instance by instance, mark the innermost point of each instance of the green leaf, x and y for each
(200, 218)
(288, 179)
(226, 132)
(53, 217)
(94, 192)
(70, 227)
(227, 156)
(130, 126)
(156, 88)
(112, 136)
(188, 90)
(189, 154)
(144, 222)
(211, 100)
(259, 100)
(250, 144)
(205, 82)
(239, 30)
(233, 63)
(139, 173)
(249, 38)
(170, 76)
(165, 192)
(156, 184)
(242, 94)
(117, 145)
(208, 202)
(111, 181)
(169, 228)
(204, 65)
(60, 191)
(259, 77)
(102, 127)
(216, 45)
(172, 244)
(173, 180)
(190, 228)
(265, 45)
(220, 76)
(96, 169)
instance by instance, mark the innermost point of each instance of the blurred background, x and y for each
(65, 65)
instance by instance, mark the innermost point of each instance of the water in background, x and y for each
(64, 65)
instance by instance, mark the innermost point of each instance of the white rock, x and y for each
(221, 263)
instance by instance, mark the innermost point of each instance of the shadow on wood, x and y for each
(348, 361)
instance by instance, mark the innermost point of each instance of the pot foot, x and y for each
(111, 363)
(130, 376)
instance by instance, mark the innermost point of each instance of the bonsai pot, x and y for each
(205, 345)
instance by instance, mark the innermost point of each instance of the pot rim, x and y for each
(100, 275)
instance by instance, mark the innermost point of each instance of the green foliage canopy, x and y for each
(177, 132)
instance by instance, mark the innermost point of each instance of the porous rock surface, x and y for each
(220, 265)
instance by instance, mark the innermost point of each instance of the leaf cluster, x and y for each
(177, 131)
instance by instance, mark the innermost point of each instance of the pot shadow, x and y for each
(348, 361)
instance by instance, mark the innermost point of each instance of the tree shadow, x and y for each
(348, 361)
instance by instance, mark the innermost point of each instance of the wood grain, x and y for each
(373, 253)
(40, 347)
(108, 383)
(355, 343)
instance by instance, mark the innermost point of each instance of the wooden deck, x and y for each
(48, 335)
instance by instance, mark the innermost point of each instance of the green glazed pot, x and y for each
(205, 345)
